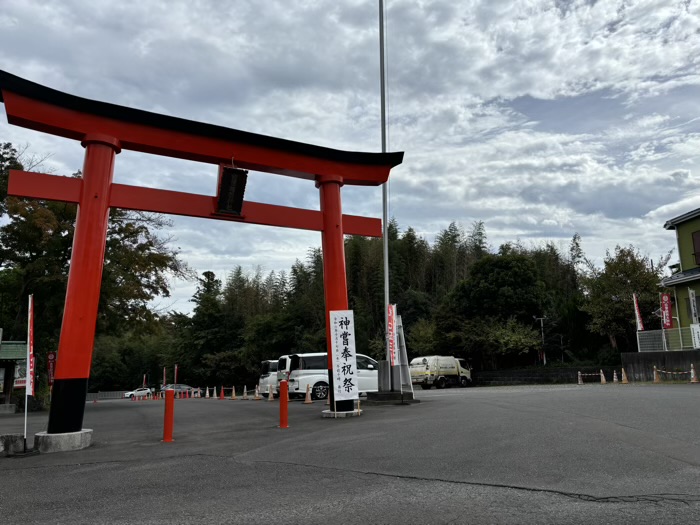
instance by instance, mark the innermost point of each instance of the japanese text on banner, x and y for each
(344, 358)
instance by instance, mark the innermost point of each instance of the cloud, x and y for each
(539, 118)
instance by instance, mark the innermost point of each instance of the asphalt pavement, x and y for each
(494, 455)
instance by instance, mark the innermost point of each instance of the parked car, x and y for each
(139, 392)
(312, 369)
(178, 388)
(268, 377)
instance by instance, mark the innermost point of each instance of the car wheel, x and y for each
(441, 383)
(131, 396)
(319, 391)
(426, 387)
(463, 382)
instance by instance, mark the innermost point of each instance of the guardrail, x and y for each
(92, 396)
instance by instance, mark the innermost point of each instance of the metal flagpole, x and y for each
(385, 197)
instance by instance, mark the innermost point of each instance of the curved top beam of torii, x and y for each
(38, 107)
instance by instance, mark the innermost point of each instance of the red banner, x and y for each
(391, 311)
(666, 316)
(30, 348)
(637, 313)
(52, 366)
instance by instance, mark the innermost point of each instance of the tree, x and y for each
(609, 290)
(35, 250)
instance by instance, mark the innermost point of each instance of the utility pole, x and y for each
(541, 320)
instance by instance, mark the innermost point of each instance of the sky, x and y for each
(541, 118)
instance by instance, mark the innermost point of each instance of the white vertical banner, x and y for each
(693, 306)
(344, 356)
(393, 340)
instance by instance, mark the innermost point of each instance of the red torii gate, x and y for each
(104, 130)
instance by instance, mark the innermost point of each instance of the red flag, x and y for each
(637, 314)
(30, 348)
(666, 317)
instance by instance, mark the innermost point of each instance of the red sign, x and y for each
(52, 366)
(666, 318)
(391, 311)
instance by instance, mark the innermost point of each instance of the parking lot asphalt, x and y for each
(511, 455)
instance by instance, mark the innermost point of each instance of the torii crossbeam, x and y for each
(104, 130)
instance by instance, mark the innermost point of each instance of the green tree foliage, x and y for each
(35, 250)
(609, 292)
(455, 296)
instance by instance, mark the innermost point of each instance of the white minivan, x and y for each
(268, 377)
(312, 369)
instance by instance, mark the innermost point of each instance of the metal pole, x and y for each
(385, 194)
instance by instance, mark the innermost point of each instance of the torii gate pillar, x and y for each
(334, 278)
(84, 280)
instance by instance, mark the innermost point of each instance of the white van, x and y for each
(441, 371)
(312, 369)
(268, 377)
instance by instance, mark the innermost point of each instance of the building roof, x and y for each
(13, 350)
(681, 277)
(672, 223)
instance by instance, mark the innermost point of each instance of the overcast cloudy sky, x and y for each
(541, 118)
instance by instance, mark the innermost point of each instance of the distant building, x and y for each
(685, 279)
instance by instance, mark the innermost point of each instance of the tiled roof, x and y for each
(681, 277)
(13, 350)
(672, 223)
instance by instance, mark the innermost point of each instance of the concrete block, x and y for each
(11, 444)
(48, 443)
(349, 413)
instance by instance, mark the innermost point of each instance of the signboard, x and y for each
(695, 334)
(20, 374)
(52, 366)
(345, 377)
(666, 319)
(393, 356)
(693, 306)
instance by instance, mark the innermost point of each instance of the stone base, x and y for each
(390, 398)
(11, 444)
(7, 409)
(47, 443)
(350, 413)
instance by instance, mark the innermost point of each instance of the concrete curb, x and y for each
(48, 443)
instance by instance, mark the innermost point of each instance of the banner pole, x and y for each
(29, 379)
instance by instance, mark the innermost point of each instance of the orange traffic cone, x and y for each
(624, 378)
(657, 379)
(257, 393)
(270, 394)
(222, 393)
(614, 376)
(602, 378)
(245, 393)
(693, 377)
(307, 400)
(580, 379)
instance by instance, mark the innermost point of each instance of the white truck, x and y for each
(441, 371)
